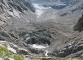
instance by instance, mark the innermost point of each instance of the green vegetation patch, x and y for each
(18, 57)
(4, 52)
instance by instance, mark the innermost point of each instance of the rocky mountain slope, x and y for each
(41, 29)
(59, 20)
(15, 16)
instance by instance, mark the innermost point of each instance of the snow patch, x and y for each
(27, 38)
(46, 53)
(10, 13)
(2, 41)
(40, 9)
(11, 49)
(13, 45)
(38, 46)
(1, 58)
(16, 13)
(23, 49)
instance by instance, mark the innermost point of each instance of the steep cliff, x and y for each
(15, 15)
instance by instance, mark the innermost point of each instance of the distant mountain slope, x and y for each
(72, 5)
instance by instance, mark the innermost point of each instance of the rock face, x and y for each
(38, 37)
(15, 15)
(79, 25)
(19, 5)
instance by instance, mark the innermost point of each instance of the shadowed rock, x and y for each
(79, 25)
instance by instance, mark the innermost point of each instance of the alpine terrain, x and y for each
(41, 29)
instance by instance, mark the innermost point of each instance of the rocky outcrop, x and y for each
(38, 37)
(79, 25)
(19, 5)
(72, 48)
